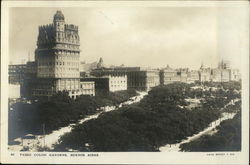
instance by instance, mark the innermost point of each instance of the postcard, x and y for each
(125, 82)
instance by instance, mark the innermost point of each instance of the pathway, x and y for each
(53, 137)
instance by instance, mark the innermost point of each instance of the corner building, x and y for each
(57, 58)
(116, 80)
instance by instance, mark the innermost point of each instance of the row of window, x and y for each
(117, 75)
(118, 86)
(16, 71)
(88, 91)
(68, 45)
(58, 63)
(68, 80)
(66, 53)
(87, 85)
(17, 66)
(68, 87)
(68, 84)
(58, 75)
(50, 93)
(114, 82)
(57, 69)
(71, 56)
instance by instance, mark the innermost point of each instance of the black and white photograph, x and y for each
(126, 78)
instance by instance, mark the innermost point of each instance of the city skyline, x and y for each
(138, 36)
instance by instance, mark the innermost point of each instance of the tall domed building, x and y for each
(57, 58)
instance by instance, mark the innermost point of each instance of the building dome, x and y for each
(59, 15)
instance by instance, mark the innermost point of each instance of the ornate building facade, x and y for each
(57, 59)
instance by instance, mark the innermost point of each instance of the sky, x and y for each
(140, 36)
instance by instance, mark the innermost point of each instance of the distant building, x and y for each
(224, 73)
(138, 78)
(220, 75)
(224, 64)
(87, 88)
(143, 79)
(216, 75)
(101, 84)
(193, 76)
(235, 75)
(17, 73)
(182, 73)
(117, 80)
(168, 76)
(204, 74)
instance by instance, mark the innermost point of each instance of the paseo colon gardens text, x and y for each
(58, 154)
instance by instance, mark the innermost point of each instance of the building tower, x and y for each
(224, 64)
(57, 57)
(100, 63)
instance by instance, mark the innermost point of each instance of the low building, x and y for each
(225, 75)
(224, 64)
(17, 73)
(87, 88)
(183, 74)
(143, 79)
(204, 74)
(193, 76)
(117, 82)
(117, 79)
(169, 75)
(235, 75)
(101, 84)
(152, 79)
(216, 75)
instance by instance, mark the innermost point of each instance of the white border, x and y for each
(122, 157)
